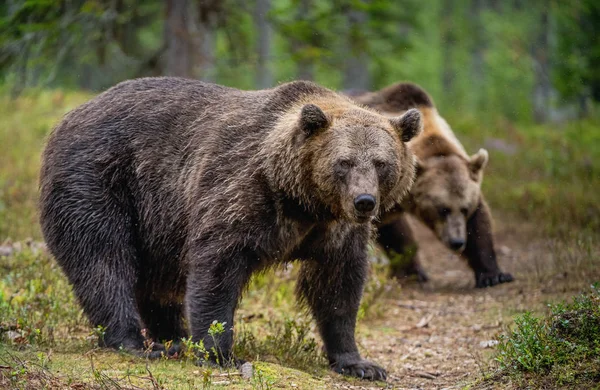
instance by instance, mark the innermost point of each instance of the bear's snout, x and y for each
(456, 244)
(365, 203)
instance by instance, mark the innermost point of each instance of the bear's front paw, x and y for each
(362, 369)
(491, 279)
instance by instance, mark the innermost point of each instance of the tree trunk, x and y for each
(477, 50)
(208, 15)
(541, 61)
(179, 53)
(305, 66)
(356, 67)
(448, 42)
(264, 78)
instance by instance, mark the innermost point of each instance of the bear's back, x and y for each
(437, 137)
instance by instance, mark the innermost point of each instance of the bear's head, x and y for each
(361, 165)
(446, 193)
(348, 159)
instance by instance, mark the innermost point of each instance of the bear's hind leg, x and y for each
(92, 240)
(106, 292)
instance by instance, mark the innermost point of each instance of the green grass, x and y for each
(560, 349)
(98, 369)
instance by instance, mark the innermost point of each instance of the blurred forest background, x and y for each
(518, 77)
(523, 60)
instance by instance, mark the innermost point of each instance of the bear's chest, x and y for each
(284, 239)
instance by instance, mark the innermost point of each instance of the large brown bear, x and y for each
(161, 196)
(446, 195)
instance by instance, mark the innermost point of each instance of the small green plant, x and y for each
(528, 346)
(215, 331)
(207, 379)
(194, 351)
(289, 343)
(43, 359)
(99, 331)
(564, 345)
(261, 380)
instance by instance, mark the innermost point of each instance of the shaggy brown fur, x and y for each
(161, 197)
(446, 195)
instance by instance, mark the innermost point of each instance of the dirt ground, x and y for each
(441, 335)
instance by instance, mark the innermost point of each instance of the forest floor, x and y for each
(438, 335)
(443, 334)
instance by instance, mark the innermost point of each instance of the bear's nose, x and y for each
(456, 243)
(364, 203)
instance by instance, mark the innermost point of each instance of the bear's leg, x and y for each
(165, 323)
(333, 289)
(479, 250)
(102, 272)
(93, 242)
(214, 287)
(396, 238)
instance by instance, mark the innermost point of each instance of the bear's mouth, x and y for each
(363, 218)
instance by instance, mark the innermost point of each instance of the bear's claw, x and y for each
(490, 280)
(362, 369)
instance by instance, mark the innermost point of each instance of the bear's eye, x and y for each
(345, 164)
(443, 211)
(380, 164)
(342, 168)
(464, 211)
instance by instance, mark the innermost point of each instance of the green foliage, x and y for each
(44, 42)
(288, 342)
(528, 346)
(36, 301)
(578, 56)
(563, 346)
(479, 57)
(262, 380)
(194, 351)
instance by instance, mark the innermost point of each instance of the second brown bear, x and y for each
(446, 195)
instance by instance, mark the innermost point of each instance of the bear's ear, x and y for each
(408, 125)
(313, 119)
(478, 162)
